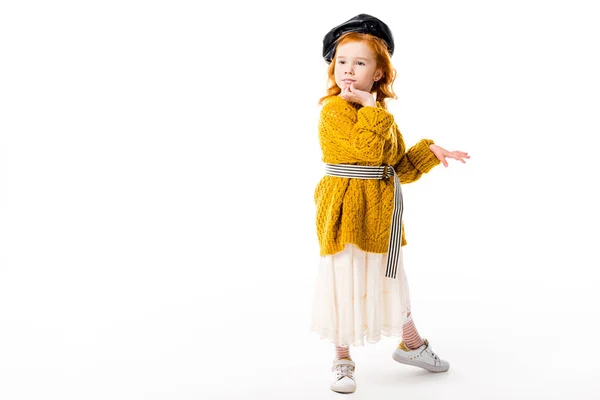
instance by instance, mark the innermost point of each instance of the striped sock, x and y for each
(342, 352)
(410, 336)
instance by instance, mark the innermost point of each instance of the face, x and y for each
(355, 62)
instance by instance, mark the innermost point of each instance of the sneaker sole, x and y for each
(339, 390)
(421, 364)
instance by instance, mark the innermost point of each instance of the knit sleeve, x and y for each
(353, 135)
(417, 161)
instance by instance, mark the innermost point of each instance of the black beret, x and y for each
(363, 23)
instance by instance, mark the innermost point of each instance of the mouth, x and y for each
(348, 80)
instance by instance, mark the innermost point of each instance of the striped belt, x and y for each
(378, 172)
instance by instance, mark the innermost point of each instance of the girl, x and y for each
(362, 289)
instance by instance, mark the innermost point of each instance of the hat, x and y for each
(362, 23)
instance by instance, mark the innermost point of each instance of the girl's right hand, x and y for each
(350, 93)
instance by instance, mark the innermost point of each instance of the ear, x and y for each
(378, 75)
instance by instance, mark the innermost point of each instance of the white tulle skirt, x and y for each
(354, 301)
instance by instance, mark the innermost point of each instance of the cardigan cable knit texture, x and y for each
(359, 211)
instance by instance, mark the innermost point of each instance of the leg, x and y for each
(342, 352)
(410, 336)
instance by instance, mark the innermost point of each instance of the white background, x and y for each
(157, 168)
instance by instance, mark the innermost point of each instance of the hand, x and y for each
(441, 153)
(350, 93)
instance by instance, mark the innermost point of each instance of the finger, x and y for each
(459, 158)
(443, 160)
(460, 154)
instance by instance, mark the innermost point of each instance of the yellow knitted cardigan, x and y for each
(359, 211)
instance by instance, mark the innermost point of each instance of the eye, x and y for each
(360, 63)
(340, 62)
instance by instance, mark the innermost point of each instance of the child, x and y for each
(362, 289)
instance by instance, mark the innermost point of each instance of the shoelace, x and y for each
(433, 355)
(430, 351)
(344, 370)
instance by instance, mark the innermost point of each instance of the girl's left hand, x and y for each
(442, 153)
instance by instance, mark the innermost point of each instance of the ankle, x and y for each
(342, 352)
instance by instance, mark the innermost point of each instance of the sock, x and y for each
(342, 352)
(410, 336)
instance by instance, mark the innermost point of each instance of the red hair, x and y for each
(383, 87)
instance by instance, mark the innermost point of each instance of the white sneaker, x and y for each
(423, 357)
(343, 376)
